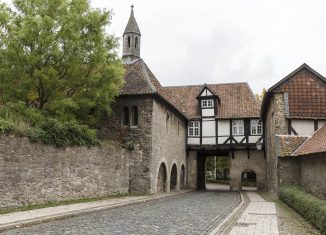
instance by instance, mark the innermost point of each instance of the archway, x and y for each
(217, 172)
(248, 180)
(173, 178)
(161, 178)
(182, 176)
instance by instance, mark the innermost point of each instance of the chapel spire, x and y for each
(131, 40)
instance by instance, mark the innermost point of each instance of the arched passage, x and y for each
(173, 178)
(248, 180)
(182, 176)
(161, 178)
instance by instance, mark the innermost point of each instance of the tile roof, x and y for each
(236, 99)
(286, 144)
(315, 144)
(139, 79)
(306, 93)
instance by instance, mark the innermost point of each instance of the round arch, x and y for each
(248, 180)
(182, 176)
(161, 178)
(174, 177)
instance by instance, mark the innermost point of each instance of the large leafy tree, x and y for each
(56, 56)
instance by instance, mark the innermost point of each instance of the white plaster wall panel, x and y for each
(238, 138)
(209, 141)
(221, 140)
(321, 123)
(303, 127)
(209, 128)
(223, 127)
(254, 138)
(206, 92)
(193, 141)
(208, 112)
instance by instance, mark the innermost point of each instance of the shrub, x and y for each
(6, 126)
(59, 133)
(309, 206)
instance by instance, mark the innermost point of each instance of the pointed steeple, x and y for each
(131, 40)
(132, 26)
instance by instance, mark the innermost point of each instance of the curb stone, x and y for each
(65, 215)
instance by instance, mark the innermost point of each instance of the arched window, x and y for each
(129, 41)
(134, 112)
(136, 42)
(167, 123)
(125, 116)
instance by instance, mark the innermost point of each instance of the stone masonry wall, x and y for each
(313, 173)
(134, 137)
(168, 143)
(37, 173)
(241, 162)
(289, 171)
(275, 123)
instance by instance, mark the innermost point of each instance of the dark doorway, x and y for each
(161, 179)
(173, 179)
(182, 177)
(248, 180)
(217, 173)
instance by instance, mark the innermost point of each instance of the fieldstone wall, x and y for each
(289, 171)
(275, 124)
(137, 138)
(242, 162)
(168, 143)
(36, 173)
(192, 169)
(313, 173)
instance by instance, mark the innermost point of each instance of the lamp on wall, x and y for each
(259, 145)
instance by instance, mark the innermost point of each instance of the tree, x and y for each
(56, 56)
(260, 97)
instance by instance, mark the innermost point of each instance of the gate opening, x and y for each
(217, 173)
(248, 180)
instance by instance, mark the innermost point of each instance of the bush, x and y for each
(64, 133)
(6, 126)
(309, 206)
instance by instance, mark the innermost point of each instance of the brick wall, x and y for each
(36, 173)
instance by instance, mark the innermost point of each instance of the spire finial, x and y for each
(132, 6)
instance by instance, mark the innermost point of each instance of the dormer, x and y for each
(208, 102)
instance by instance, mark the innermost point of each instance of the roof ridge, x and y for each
(148, 80)
(208, 84)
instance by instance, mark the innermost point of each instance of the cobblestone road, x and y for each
(192, 213)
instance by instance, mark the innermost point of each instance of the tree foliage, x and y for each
(260, 97)
(56, 57)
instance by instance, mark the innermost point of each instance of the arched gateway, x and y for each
(161, 178)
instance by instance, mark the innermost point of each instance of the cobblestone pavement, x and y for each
(191, 213)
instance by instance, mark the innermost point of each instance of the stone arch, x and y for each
(162, 178)
(125, 116)
(248, 178)
(174, 177)
(182, 176)
(134, 116)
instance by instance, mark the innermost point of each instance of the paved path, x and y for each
(191, 213)
(259, 218)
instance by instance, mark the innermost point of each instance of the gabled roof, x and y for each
(306, 94)
(205, 86)
(314, 144)
(236, 99)
(132, 26)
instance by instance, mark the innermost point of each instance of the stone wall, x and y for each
(275, 124)
(168, 143)
(192, 170)
(289, 171)
(134, 137)
(313, 173)
(241, 162)
(36, 173)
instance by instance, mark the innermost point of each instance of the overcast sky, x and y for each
(221, 41)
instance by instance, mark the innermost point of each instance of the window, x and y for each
(136, 42)
(134, 113)
(193, 129)
(256, 127)
(207, 103)
(129, 41)
(125, 116)
(237, 127)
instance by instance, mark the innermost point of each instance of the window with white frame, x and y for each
(256, 127)
(237, 127)
(207, 103)
(194, 129)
